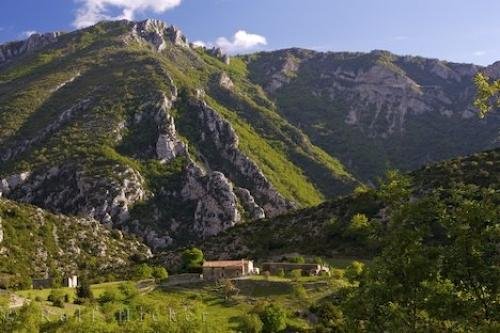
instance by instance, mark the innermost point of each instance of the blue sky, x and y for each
(455, 30)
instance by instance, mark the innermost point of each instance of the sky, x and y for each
(453, 30)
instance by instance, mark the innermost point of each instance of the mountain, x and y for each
(129, 124)
(378, 110)
(126, 123)
(34, 242)
(324, 230)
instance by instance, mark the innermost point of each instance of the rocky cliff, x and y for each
(378, 110)
(33, 43)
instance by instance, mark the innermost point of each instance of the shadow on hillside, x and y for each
(252, 288)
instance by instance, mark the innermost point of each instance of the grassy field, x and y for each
(202, 298)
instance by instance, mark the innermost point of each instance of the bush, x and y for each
(56, 296)
(281, 273)
(298, 260)
(300, 292)
(108, 296)
(330, 317)
(251, 323)
(229, 289)
(354, 270)
(296, 274)
(129, 290)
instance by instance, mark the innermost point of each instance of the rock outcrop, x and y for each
(72, 190)
(168, 146)
(33, 43)
(254, 211)
(216, 203)
(219, 133)
(225, 81)
(158, 34)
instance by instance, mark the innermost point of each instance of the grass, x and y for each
(219, 312)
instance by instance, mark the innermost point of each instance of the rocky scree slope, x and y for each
(36, 243)
(128, 124)
(324, 230)
(377, 110)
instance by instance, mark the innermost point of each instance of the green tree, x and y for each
(359, 228)
(192, 258)
(159, 273)
(83, 291)
(487, 94)
(273, 318)
(437, 266)
(142, 271)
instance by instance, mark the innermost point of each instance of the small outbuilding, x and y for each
(70, 281)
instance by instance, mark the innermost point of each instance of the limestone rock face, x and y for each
(216, 202)
(68, 189)
(35, 42)
(168, 146)
(217, 209)
(285, 74)
(254, 211)
(158, 34)
(219, 133)
(12, 182)
(380, 90)
(217, 52)
(225, 81)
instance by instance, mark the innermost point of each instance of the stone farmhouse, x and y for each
(227, 269)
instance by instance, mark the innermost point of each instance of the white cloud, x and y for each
(242, 41)
(27, 34)
(479, 53)
(92, 11)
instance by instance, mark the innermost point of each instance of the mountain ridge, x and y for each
(108, 126)
(127, 123)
